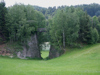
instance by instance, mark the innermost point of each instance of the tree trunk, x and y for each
(63, 39)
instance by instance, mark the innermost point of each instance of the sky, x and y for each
(50, 3)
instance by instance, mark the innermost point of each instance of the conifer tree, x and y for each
(3, 28)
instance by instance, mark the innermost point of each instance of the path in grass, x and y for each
(77, 62)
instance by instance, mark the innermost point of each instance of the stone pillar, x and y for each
(32, 48)
(53, 52)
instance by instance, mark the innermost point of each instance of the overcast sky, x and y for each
(51, 3)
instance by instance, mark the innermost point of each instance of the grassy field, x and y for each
(75, 62)
(44, 54)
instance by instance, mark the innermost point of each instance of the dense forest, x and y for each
(91, 9)
(67, 26)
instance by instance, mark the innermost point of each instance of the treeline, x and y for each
(48, 12)
(73, 27)
(66, 26)
(19, 22)
(91, 9)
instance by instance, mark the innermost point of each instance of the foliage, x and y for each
(23, 21)
(3, 30)
(99, 18)
(40, 9)
(91, 9)
(96, 24)
(68, 25)
(73, 26)
(95, 35)
(13, 21)
(85, 27)
(97, 13)
(14, 47)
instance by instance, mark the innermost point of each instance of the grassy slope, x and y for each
(77, 62)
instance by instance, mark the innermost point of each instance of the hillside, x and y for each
(75, 62)
(91, 9)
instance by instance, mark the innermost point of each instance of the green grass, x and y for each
(44, 54)
(75, 62)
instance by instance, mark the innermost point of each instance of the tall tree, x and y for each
(85, 27)
(72, 26)
(99, 19)
(94, 36)
(3, 11)
(15, 15)
(62, 31)
(23, 21)
(96, 24)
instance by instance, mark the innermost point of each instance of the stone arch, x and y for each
(33, 51)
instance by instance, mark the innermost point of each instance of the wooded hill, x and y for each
(91, 9)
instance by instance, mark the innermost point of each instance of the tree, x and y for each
(95, 36)
(13, 20)
(3, 30)
(85, 27)
(91, 9)
(24, 25)
(64, 28)
(62, 24)
(97, 13)
(96, 24)
(72, 26)
(57, 26)
(99, 19)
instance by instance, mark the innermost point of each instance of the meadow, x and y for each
(85, 61)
